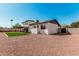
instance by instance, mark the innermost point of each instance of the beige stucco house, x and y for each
(47, 27)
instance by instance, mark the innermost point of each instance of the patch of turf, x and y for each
(10, 34)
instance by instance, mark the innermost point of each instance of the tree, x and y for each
(75, 24)
(37, 21)
(17, 25)
(66, 26)
(1, 27)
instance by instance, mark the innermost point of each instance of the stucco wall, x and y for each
(34, 30)
(45, 31)
(52, 28)
(73, 30)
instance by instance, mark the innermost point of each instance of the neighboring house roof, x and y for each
(50, 21)
(28, 21)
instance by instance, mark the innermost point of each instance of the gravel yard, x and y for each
(39, 45)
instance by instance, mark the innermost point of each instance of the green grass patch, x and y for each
(10, 34)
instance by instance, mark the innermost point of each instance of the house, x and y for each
(25, 25)
(47, 27)
(27, 22)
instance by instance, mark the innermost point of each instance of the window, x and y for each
(37, 25)
(34, 26)
(43, 27)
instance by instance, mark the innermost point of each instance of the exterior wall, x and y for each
(45, 31)
(73, 30)
(34, 31)
(52, 28)
(26, 24)
(38, 30)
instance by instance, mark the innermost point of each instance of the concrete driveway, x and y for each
(44, 45)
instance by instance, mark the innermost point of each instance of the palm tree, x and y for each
(11, 22)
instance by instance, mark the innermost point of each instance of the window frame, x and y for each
(43, 26)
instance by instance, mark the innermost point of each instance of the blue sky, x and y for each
(65, 13)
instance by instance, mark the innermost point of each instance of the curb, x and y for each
(5, 34)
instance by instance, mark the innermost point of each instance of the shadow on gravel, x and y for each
(62, 34)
